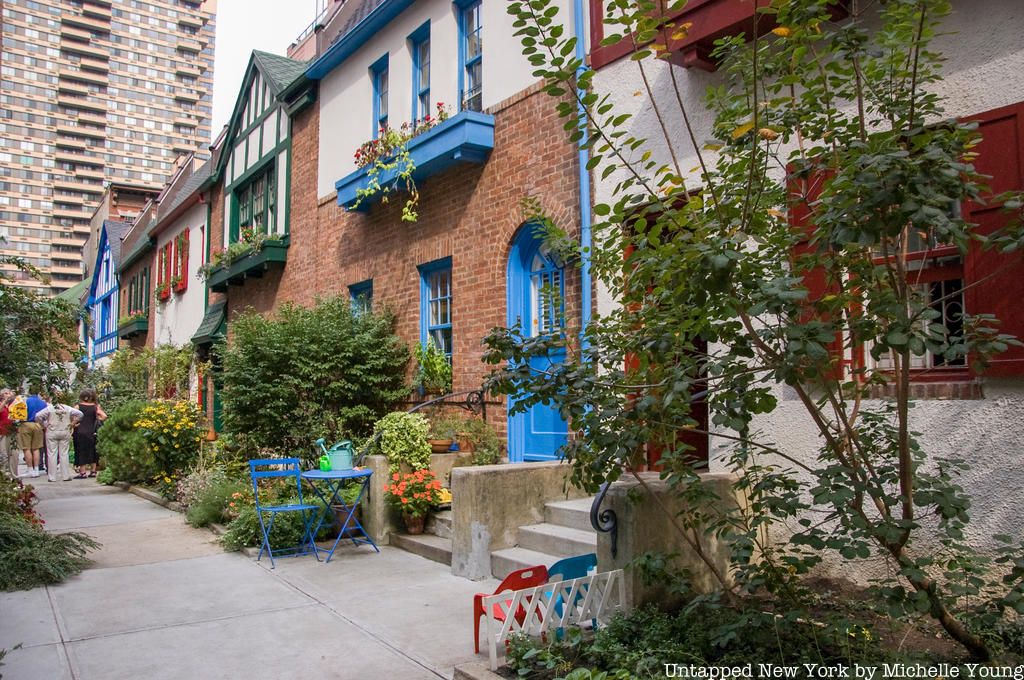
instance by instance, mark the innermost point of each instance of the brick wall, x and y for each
(469, 212)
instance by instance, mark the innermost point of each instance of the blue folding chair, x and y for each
(265, 468)
(566, 569)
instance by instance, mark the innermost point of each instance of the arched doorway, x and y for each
(536, 288)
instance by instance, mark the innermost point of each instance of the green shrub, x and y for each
(402, 439)
(244, 530)
(105, 476)
(123, 448)
(309, 373)
(210, 504)
(31, 557)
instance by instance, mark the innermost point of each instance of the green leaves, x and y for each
(320, 372)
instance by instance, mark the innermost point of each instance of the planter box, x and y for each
(133, 328)
(253, 265)
(467, 136)
(181, 286)
(164, 294)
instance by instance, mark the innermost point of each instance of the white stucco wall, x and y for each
(984, 70)
(346, 93)
(178, 319)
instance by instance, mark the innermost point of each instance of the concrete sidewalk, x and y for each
(162, 600)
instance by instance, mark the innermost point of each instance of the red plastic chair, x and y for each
(517, 580)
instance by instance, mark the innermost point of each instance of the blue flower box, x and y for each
(467, 136)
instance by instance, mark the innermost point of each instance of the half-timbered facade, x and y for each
(103, 303)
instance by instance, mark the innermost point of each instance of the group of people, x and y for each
(38, 426)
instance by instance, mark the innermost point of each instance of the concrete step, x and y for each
(574, 513)
(440, 524)
(507, 560)
(555, 539)
(425, 545)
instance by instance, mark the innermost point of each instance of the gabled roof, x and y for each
(111, 233)
(279, 71)
(116, 229)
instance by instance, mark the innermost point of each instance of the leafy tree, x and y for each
(38, 334)
(722, 299)
(309, 373)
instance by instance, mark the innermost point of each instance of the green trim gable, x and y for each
(281, 75)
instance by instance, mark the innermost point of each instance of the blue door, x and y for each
(536, 287)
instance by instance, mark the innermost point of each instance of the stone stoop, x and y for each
(436, 541)
(565, 532)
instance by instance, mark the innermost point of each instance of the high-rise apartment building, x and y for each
(93, 92)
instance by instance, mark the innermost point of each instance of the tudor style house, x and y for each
(102, 304)
(962, 409)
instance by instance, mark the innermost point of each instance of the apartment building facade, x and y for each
(94, 91)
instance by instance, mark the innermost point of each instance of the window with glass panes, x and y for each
(471, 54)
(362, 296)
(546, 292)
(380, 95)
(436, 305)
(421, 76)
(257, 204)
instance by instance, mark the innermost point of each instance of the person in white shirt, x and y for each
(58, 420)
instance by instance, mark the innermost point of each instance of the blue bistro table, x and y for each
(328, 485)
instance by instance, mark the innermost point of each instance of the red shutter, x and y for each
(995, 282)
(803, 192)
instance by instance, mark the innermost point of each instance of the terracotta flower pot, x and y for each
(414, 525)
(440, 445)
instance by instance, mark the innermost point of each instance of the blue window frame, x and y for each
(420, 40)
(379, 74)
(470, 57)
(362, 296)
(436, 304)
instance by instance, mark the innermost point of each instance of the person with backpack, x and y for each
(30, 434)
(8, 453)
(57, 421)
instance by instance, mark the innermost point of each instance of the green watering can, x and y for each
(325, 463)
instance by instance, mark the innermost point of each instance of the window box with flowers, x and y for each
(397, 159)
(249, 257)
(163, 291)
(134, 323)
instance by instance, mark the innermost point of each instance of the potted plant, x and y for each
(434, 374)
(414, 493)
(402, 439)
(178, 283)
(444, 432)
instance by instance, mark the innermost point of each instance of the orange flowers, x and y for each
(415, 493)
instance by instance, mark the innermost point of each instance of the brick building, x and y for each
(471, 261)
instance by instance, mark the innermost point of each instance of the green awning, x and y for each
(209, 330)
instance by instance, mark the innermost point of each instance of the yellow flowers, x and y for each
(171, 428)
(782, 31)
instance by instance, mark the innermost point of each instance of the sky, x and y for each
(244, 26)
